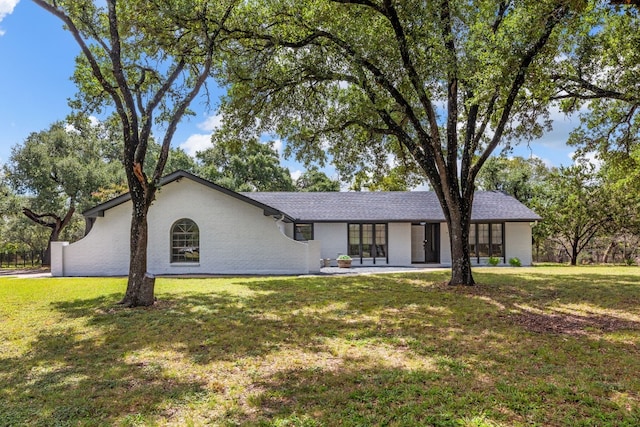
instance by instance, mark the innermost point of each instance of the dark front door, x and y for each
(432, 243)
(425, 243)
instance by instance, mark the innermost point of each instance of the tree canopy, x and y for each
(58, 169)
(599, 78)
(442, 84)
(244, 165)
(519, 177)
(313, 179)
(575, 207)
(145, 62)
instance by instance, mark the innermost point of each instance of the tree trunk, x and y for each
(458, 223)
(56, 225)
(53, 237)
(574, 254)
(607, 252)
(140, 286)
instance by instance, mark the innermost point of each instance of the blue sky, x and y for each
(37, 61)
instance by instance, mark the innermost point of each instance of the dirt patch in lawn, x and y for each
(568, 324)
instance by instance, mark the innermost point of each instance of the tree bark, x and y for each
(574, 254)
(141, 284)
(56, 225)
(458, 221)
(607, 252)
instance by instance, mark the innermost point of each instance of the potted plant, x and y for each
(344, 261)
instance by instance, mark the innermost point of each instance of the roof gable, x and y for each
(99, 210)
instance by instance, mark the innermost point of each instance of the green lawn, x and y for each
(529, 346)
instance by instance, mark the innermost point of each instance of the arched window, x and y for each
(185, 241)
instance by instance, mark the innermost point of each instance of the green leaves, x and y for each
(575, 207)
(61, 166)
(244, 165)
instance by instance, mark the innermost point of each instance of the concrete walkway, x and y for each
(325, 271)
(10, 272)
(335, 271)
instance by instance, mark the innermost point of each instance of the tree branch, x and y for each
(38, 218)
(554, 18)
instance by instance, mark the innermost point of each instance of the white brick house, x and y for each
(197, 227)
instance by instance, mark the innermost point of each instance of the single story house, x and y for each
(198, 227)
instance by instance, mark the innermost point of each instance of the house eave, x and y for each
(99, 210)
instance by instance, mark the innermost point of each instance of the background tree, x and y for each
(177, 159)
(58, 169)
(575, 207)
(621, 176)
(518, 177)
(398, 178)
(146, 61)
(440, 83)
(244, 165)
(313, 179)
(7, 197)
(599, 78)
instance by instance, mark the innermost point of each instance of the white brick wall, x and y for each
(235, 238)
(399, 243)
(333, 237)
(518, 241)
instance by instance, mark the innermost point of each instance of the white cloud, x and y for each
(6, 8)
(93, 121)
(211, 123)
(589, 158)
(296, 174)
(196, 142)
(201, 141)
(277, 144)
(548, 163)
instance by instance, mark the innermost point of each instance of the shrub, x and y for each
(494, 261)
(515, 262)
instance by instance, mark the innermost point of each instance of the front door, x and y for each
(432, 243)
(417, 243)
(425, 243)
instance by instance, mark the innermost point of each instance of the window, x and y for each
(367, 241)
(486, 240)
(185, 241)
(354, 240)
(473, 247)
(303, 232)
(381, 241)
(483, 240)
(497, 241)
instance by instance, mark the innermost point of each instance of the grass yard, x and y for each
(548, 346)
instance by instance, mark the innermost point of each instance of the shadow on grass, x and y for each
(72, 377)
(403, 349)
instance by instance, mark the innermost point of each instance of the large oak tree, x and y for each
(441, 83)
(145, 60)
(244, 165)
(58, 169)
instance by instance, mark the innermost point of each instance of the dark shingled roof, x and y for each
(393, 206)
(396, 206)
